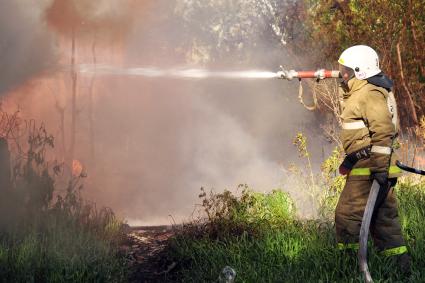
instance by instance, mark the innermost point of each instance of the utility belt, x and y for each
(364, 153)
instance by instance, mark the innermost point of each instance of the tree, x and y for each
(394, 28)
(238, 28)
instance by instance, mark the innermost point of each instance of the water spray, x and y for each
(198, 74)
(187, 73)
(176, 73)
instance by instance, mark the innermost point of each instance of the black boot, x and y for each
(404, 263)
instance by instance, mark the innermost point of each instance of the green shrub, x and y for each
(228, 214)
(332, 184)
(54, 239)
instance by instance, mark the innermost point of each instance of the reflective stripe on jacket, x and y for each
(367, 121)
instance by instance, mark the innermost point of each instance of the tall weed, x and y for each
(48, 236)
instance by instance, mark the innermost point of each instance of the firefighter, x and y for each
(369, 128)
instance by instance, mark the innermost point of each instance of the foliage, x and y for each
(50, 237)
(315, 32)
(396, 29)
(307, 177)
(332, 186)
(301, 142)
(260, 236)
(296, 250)
(228, 214)
(237, 28)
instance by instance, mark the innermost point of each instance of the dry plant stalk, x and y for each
(328, 100)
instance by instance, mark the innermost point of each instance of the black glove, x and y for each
(344, 170)
(381, 178)
(351, 159)
(345, 167)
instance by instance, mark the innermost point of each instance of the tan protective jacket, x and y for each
(367, 121)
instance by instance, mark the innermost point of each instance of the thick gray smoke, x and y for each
(170, 137)
(157, 141)
(26, 47)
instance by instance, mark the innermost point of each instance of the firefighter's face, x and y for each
(346, 74)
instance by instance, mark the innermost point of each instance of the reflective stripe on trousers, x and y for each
(348, 246)
(366, 171)
(388, 252)
(394, 251)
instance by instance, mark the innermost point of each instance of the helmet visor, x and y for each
(346, 73)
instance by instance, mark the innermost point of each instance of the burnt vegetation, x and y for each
(49, 233)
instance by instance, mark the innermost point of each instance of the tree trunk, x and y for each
(73, 102)
(410, 105)
(418, 54)
(61, 112)
(91, 114)
(5, 177)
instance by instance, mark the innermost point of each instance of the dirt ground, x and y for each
(144, 251)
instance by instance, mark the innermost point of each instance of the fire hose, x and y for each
(320, 74)
(364, 230)
(410, 169)
(374, 191)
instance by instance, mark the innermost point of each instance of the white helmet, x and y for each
(362, 59)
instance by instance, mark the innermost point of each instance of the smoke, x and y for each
(91, 18)
(26, 47)
(179, 135)
(158, 140)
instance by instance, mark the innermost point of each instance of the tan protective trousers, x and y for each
(385, 227)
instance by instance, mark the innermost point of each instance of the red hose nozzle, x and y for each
(319, 74)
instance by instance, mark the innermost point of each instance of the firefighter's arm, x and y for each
(381, 130)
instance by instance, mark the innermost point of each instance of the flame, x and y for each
(77, 168)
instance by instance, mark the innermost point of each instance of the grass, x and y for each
(58, 257)
(61, 244)
(282, 248)
(46, 236)
(65, 239)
